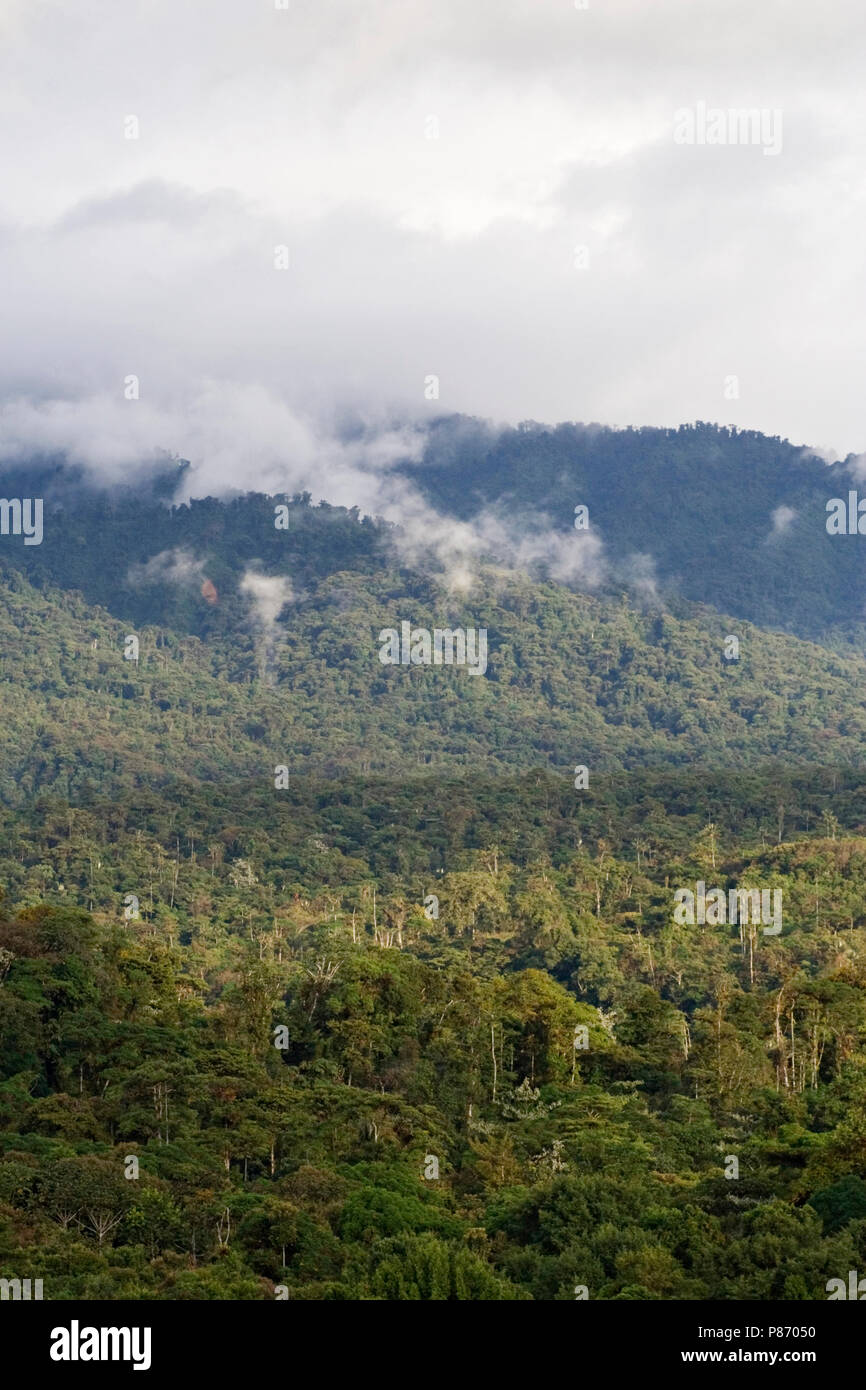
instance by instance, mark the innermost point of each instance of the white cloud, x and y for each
(782, 518)
(268, 594)
(412, 256)
(177, 566)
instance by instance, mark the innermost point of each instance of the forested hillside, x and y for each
(572, 679)
(330, 979)
(705, 513)
(411, 1043)
(718, 515)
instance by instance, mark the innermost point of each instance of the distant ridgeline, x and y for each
(729, 517)
(732, 519)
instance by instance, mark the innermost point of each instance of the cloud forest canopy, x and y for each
(418, 1021)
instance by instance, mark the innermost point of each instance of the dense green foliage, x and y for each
(692, 508)
(698, 500)
(409, 1037)
(422, 1024)
(572, 679)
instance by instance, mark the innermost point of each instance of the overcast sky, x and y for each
(431, 166)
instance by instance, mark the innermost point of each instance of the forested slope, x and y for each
(329, 979)
(572, 679)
